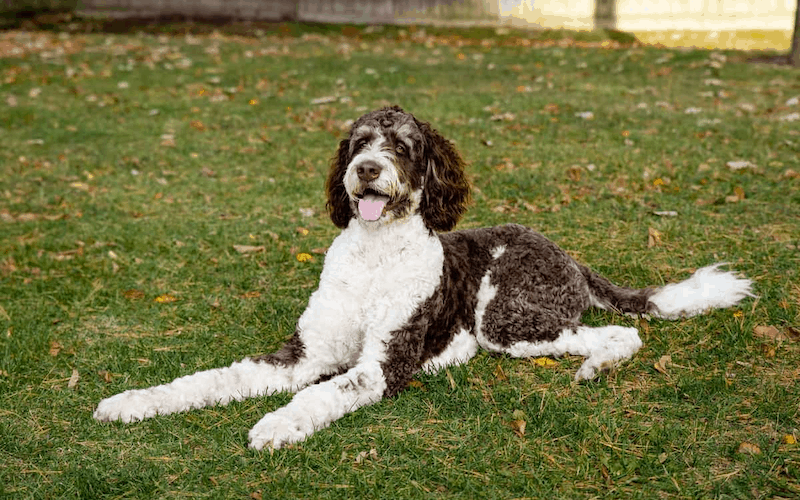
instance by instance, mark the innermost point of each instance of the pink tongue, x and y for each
(371, 208)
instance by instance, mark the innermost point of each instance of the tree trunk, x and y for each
(794, 54)
(605, 14)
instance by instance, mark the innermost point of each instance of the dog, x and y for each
(400, 293)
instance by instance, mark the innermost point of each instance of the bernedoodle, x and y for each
(399, 293)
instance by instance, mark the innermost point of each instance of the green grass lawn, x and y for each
(156, 190)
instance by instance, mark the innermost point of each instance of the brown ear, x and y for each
(446, 190)
(338, 202)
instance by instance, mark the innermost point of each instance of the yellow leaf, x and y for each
(653, 237)
(166, 298)
(545, 362)
(304, 257)
(789, 439)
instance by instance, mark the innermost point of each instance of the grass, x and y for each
(133, 163)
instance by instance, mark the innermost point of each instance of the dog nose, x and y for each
(368, 171)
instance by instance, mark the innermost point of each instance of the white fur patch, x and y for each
(486, 293)
(707, 289)
(498, 252)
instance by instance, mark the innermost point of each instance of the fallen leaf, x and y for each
(416, 384)
(73, 379)
(304, 257)
(739, 165)
(518, 424)
(653, 237)
(789, 439)
(663, 363)
(247, 249)
(371, 454)
(508, 117)
(748, 449)
(545, 362)
(251, 295)
(55, 348)
(133, 294)
(499, 374)
(769, 332)
(166, 299)
(105, 375)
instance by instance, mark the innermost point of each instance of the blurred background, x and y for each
(731, 24)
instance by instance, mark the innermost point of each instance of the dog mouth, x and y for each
(372, 204)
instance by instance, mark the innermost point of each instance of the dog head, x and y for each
(392, 166)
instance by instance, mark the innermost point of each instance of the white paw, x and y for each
(591, 369)
(128, 406)
(275, 431)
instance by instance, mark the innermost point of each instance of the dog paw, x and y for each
(128, 406)
(590, 369)
(276, 431)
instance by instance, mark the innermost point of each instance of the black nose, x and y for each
(368, 171)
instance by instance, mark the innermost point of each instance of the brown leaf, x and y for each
(663, 363)
(55, 348)
(371, 454)
(518, 426)
(133, 294)
(248, 249)
(105, 375)
(769, 332)
(748, 449)
(653, 237)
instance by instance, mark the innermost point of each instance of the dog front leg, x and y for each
(289, 369)
(387, 364)
(317, 406)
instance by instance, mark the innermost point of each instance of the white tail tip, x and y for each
(708, 288)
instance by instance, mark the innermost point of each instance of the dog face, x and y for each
(392, 166)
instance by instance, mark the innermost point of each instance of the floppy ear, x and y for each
(446, 190)
(338, 202)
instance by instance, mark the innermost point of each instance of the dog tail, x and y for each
(708, 288)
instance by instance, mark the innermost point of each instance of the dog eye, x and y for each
(400, 149)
